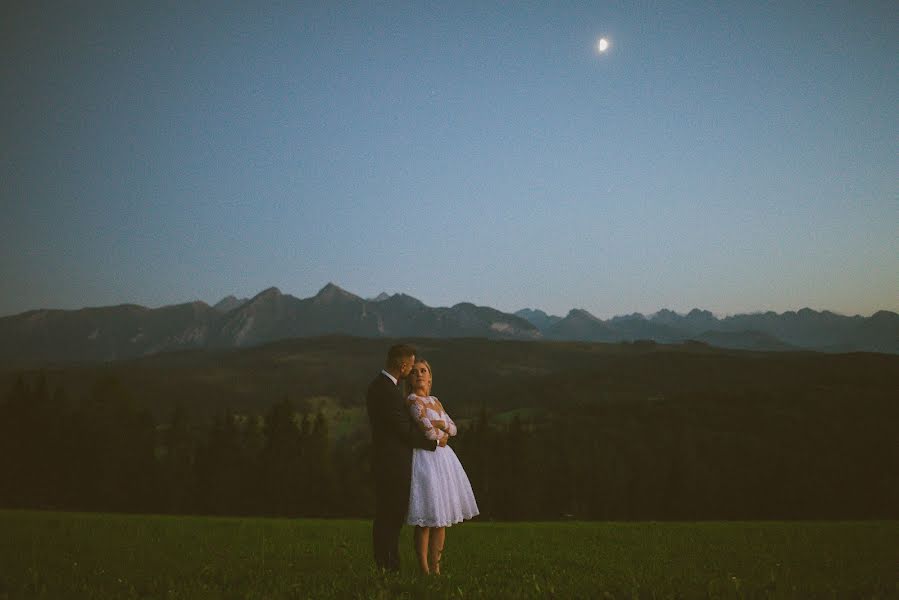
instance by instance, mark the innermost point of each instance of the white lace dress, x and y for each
(441, 493)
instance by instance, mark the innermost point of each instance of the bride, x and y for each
(441, 493)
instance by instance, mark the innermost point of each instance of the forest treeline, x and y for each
(737, 456)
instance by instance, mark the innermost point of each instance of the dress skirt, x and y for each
(441, 493)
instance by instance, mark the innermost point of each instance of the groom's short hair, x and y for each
(397, 353)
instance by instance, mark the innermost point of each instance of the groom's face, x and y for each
(406, 366)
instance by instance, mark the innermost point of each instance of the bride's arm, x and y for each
(418, 412)
(446, 423)
(450, 426)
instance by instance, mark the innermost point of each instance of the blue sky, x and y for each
(730, 156)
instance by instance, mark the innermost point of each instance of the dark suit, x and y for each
(393, 438)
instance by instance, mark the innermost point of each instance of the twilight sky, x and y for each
(730, 156)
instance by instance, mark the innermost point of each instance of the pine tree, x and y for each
(178, 463)
(321, 476)
(279, 462)
(220, 468)
(13, 440)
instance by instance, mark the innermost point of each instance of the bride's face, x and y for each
(420, 378)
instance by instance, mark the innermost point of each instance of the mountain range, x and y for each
(128, 331)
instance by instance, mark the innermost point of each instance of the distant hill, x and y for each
(803, 330)
(540, 319)
(129, 331)
(580, 325)
(104, 334)
(744, 340)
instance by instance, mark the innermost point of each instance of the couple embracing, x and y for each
(418, 479)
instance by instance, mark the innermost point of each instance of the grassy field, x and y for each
(69, 556)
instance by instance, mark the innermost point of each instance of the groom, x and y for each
(393, 438)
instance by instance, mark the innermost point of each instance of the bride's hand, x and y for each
(439, 424)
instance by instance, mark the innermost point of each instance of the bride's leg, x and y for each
(421, 548)
(435, 548)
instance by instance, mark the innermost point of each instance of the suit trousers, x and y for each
(390, 514)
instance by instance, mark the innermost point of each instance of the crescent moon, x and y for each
(602, 45)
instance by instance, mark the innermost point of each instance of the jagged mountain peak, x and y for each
(330, 287)
(332, 292)
(229, 303)
(267, 294)
(579, 324)
(380, 297)
(261, 303)
(580, 313)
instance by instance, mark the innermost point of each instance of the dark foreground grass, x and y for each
(66, 555)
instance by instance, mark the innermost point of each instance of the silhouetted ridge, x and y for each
(129, 330)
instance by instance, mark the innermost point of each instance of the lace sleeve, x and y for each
(420, 415)
(450, 426)
(444, 416)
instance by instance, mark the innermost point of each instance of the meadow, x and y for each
(113, 556)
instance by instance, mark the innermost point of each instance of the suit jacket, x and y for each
(393, 437)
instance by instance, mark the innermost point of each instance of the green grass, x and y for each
(70, 555)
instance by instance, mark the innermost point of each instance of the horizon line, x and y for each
(647, 315)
